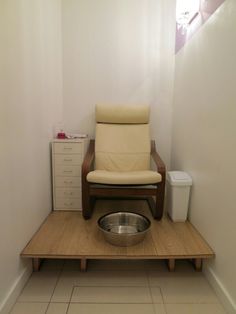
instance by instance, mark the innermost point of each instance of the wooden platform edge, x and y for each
(156, 257)
(196, 258)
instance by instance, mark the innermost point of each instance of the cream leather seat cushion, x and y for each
(130, 177)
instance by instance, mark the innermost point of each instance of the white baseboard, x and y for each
(15, 290)
(220, 290)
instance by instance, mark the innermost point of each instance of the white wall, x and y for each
(204, 129)
(30, 103)
(118, 52)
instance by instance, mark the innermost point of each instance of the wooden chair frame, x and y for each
(90, 192)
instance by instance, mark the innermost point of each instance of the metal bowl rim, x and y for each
(124, 234)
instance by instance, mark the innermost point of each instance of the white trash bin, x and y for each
(178, 190)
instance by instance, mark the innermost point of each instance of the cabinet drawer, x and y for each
(68, 192)
(67, 182)
(68, 203)
(67, 148)
(68, 159)
(74, 171)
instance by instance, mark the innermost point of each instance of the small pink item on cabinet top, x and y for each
(61, 135)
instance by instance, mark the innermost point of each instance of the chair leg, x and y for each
(152, 206)
(86, 210)
(87, 201)
(156, 211)
(157, 206)
(160, 196)
(88, 207)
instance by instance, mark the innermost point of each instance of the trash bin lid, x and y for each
(179, 178)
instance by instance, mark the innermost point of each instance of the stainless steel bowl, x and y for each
(124, 228)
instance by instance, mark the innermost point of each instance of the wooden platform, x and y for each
(65, 234)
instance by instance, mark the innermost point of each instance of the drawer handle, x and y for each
(67, 171)
(68, 204)
(68, 182)
(68, 193)
(67, 159)
(67, 148)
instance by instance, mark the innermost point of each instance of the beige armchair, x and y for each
(117, 163)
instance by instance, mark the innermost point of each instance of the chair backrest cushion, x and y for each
(122, 147)
(122, 114)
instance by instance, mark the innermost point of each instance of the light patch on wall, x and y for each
(190, 15)
(186, 11)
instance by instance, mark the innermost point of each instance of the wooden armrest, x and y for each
(88, 159)
(161, 168)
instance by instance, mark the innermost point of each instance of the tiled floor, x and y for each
(117, 287)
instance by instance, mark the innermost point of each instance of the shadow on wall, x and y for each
(190, 16)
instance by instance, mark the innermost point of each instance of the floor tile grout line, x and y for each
(150, 291)
(163, 300)
(40, 302)
(58, 278)
(69, 303)
(149, 288)
(109, 286)
(196, 303)
(188, 302)
(65, 302)
(73, 302)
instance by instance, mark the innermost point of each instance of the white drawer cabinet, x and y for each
(67, 158)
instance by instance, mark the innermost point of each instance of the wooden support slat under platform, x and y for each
(66, 235)
(36, 263)
(171, 264)
(197, 262)
(83, 264)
